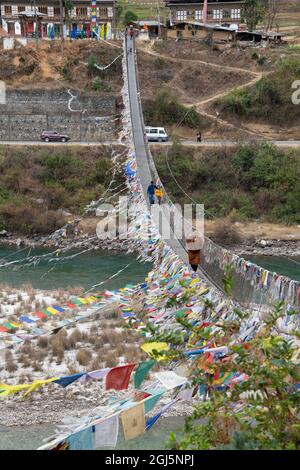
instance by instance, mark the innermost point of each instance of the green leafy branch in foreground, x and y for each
(261, 412)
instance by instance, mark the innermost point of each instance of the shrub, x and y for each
(165, 109)
(226, 234)
(10, 365)
(43, 342)
(83, 357)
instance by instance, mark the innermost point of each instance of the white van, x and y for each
(156, 134)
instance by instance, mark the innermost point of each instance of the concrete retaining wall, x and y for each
(28, 112)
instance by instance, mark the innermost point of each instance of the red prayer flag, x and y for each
(3, 329)
(118, 377)
(39, 314)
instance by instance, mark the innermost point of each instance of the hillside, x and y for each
(247, 183)
(268, 102)
(39, 186)
(28, 67)
(194, 73)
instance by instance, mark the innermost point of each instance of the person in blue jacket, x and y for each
(151, 192)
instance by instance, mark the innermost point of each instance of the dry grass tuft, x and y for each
(10, 364)
(83, 357)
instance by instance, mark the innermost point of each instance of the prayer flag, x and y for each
(133, 421)
(59, 309)
(150, 402)
(40, 314)
(169, 379)
(149, 348)
(105, 434)
(3, 329)
(68, 379)
(142, 371)
(52, 310)
(118, 377)
(82, 440)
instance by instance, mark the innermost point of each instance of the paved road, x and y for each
(228, 143)
(192, 143)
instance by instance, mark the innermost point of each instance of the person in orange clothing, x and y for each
(159, 193)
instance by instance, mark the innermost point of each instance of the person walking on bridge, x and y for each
(159, 193)
(151, 192)
(193, 247)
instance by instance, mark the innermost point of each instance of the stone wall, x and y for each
(86, 118)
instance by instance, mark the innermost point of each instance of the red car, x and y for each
(53, 136)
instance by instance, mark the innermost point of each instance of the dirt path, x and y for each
(200, 106)
(148, 48)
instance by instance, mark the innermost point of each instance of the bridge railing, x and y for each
(252, 284)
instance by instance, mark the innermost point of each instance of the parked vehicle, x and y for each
(53, 136)
(156, 134)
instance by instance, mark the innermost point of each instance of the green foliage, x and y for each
(58, 166)
(165, 109)
(270, 97)
(97, 84)
(66, 72)
(91, 65)
(34, 186)
(253, 12)
(68, 5)
(130, 17)
(260, 413)
(256, 180)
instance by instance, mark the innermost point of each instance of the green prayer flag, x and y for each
(142, 371)
(150, 402)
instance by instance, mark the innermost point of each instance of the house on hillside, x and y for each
(196, 30)
(150, 29)
(20, 18)
(218, 11)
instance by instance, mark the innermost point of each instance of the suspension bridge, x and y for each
(251, 284)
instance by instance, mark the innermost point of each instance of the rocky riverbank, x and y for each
(52, 404)
(266, 247)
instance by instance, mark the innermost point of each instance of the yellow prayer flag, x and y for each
(52, 310)
(16, 325)
(6, 389)
(150, 347)
(82, 300)
(37, 384)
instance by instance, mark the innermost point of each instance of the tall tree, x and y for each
(253, 12)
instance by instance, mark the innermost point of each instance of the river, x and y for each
(31, 437)
(289, 267)
(97, 266)
(84, 270)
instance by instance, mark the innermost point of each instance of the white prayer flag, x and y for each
(169, 379)
(17, 28)
(4, 25)
(106, 432)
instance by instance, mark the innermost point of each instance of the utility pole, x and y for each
(36, 25)
(61, 6)
(158, 16)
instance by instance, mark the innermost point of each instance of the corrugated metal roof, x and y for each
(148, 23)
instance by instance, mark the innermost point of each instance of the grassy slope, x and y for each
(248, 183)
(36, 182)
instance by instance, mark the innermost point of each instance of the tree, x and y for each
(271, 12)
(253, 13)
(130, 17)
